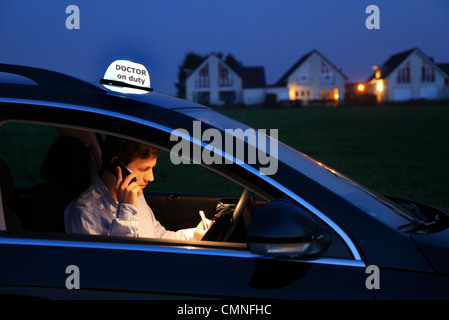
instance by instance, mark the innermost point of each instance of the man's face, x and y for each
(143, 168)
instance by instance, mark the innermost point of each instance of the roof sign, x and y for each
(127, 77)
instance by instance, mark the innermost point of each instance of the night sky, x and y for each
(269, 33)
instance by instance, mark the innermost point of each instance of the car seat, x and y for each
(66, 174)
(12, 222)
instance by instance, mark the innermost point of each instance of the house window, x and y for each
(427, 73)
(404, 74)
(326, 95)
(228, 97)
(326, 76)
(324, 68)
(202, 97)
(202, 78)
(225, 77)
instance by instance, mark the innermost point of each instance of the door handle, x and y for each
(172, 197)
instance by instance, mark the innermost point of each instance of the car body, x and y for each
(304, 232)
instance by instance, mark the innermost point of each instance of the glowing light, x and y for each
(336, 95)
(292, 93)
(361, 87)
(380, 86)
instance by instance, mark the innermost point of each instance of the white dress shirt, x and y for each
(95, 211)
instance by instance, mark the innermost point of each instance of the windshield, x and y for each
(365, 199)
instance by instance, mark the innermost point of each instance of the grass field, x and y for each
(398, 151)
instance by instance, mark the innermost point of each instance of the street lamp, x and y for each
(361, 87)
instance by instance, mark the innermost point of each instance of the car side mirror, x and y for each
(282, 228)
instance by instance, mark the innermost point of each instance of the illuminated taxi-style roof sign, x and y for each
(127, 77)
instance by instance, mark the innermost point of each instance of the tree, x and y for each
(190, 63)
(232, 62)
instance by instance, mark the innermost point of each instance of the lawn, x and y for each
(396, 150)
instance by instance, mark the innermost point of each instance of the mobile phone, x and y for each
(125, 170)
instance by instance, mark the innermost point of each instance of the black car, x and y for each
(301, 231)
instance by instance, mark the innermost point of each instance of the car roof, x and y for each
(50, 79)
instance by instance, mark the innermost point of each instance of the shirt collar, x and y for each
(103, 191)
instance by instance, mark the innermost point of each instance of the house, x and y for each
(409, 75)
(313, 77)
(213, 82)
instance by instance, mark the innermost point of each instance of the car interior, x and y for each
(69, 165)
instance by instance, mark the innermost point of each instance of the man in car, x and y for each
(115, 205)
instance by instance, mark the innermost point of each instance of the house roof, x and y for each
(392, 63)
(444, 67)
(283, 80)
(395, 60)
(252, 77)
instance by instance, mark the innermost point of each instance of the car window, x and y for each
(41, 184)
(190, 178)
(372, 203)
(37, 199)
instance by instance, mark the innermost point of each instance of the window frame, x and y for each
(148, 124)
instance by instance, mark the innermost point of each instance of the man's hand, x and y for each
(200, 230)
(125, 191)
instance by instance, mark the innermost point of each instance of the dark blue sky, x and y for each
(270, 33)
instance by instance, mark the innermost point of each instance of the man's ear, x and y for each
(113, 159)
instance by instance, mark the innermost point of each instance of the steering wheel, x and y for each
(215, 234)
(237, 214)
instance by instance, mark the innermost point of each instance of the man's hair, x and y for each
(126, 150)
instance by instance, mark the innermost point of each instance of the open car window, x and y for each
(57, 163)
(50, 166)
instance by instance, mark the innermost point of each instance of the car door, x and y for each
(85, 266)
(61, 267)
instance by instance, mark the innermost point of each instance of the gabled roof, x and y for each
(252, 77)
(392, 63)
(397, 59)
(283, 80)
(444, 67)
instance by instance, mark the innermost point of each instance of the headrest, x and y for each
(6, 181)
(67, 159)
